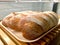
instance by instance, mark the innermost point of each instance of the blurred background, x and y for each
(8, 6)
(28, 0)
(14, 6)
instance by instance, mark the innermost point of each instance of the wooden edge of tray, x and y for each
(11, 36)
(15, 39)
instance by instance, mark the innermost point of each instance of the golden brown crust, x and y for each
(32, 30)
(44, 21)
(30, 23)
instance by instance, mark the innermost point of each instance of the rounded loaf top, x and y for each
(32, 24)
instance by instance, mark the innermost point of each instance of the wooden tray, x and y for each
(18, 35)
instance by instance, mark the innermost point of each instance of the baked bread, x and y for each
(53, 16)
(31, 24)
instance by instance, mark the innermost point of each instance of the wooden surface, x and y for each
(1, 43)
(56, 41)
(6, 40)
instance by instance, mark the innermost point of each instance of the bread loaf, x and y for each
(31, 24)
(53, 16)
